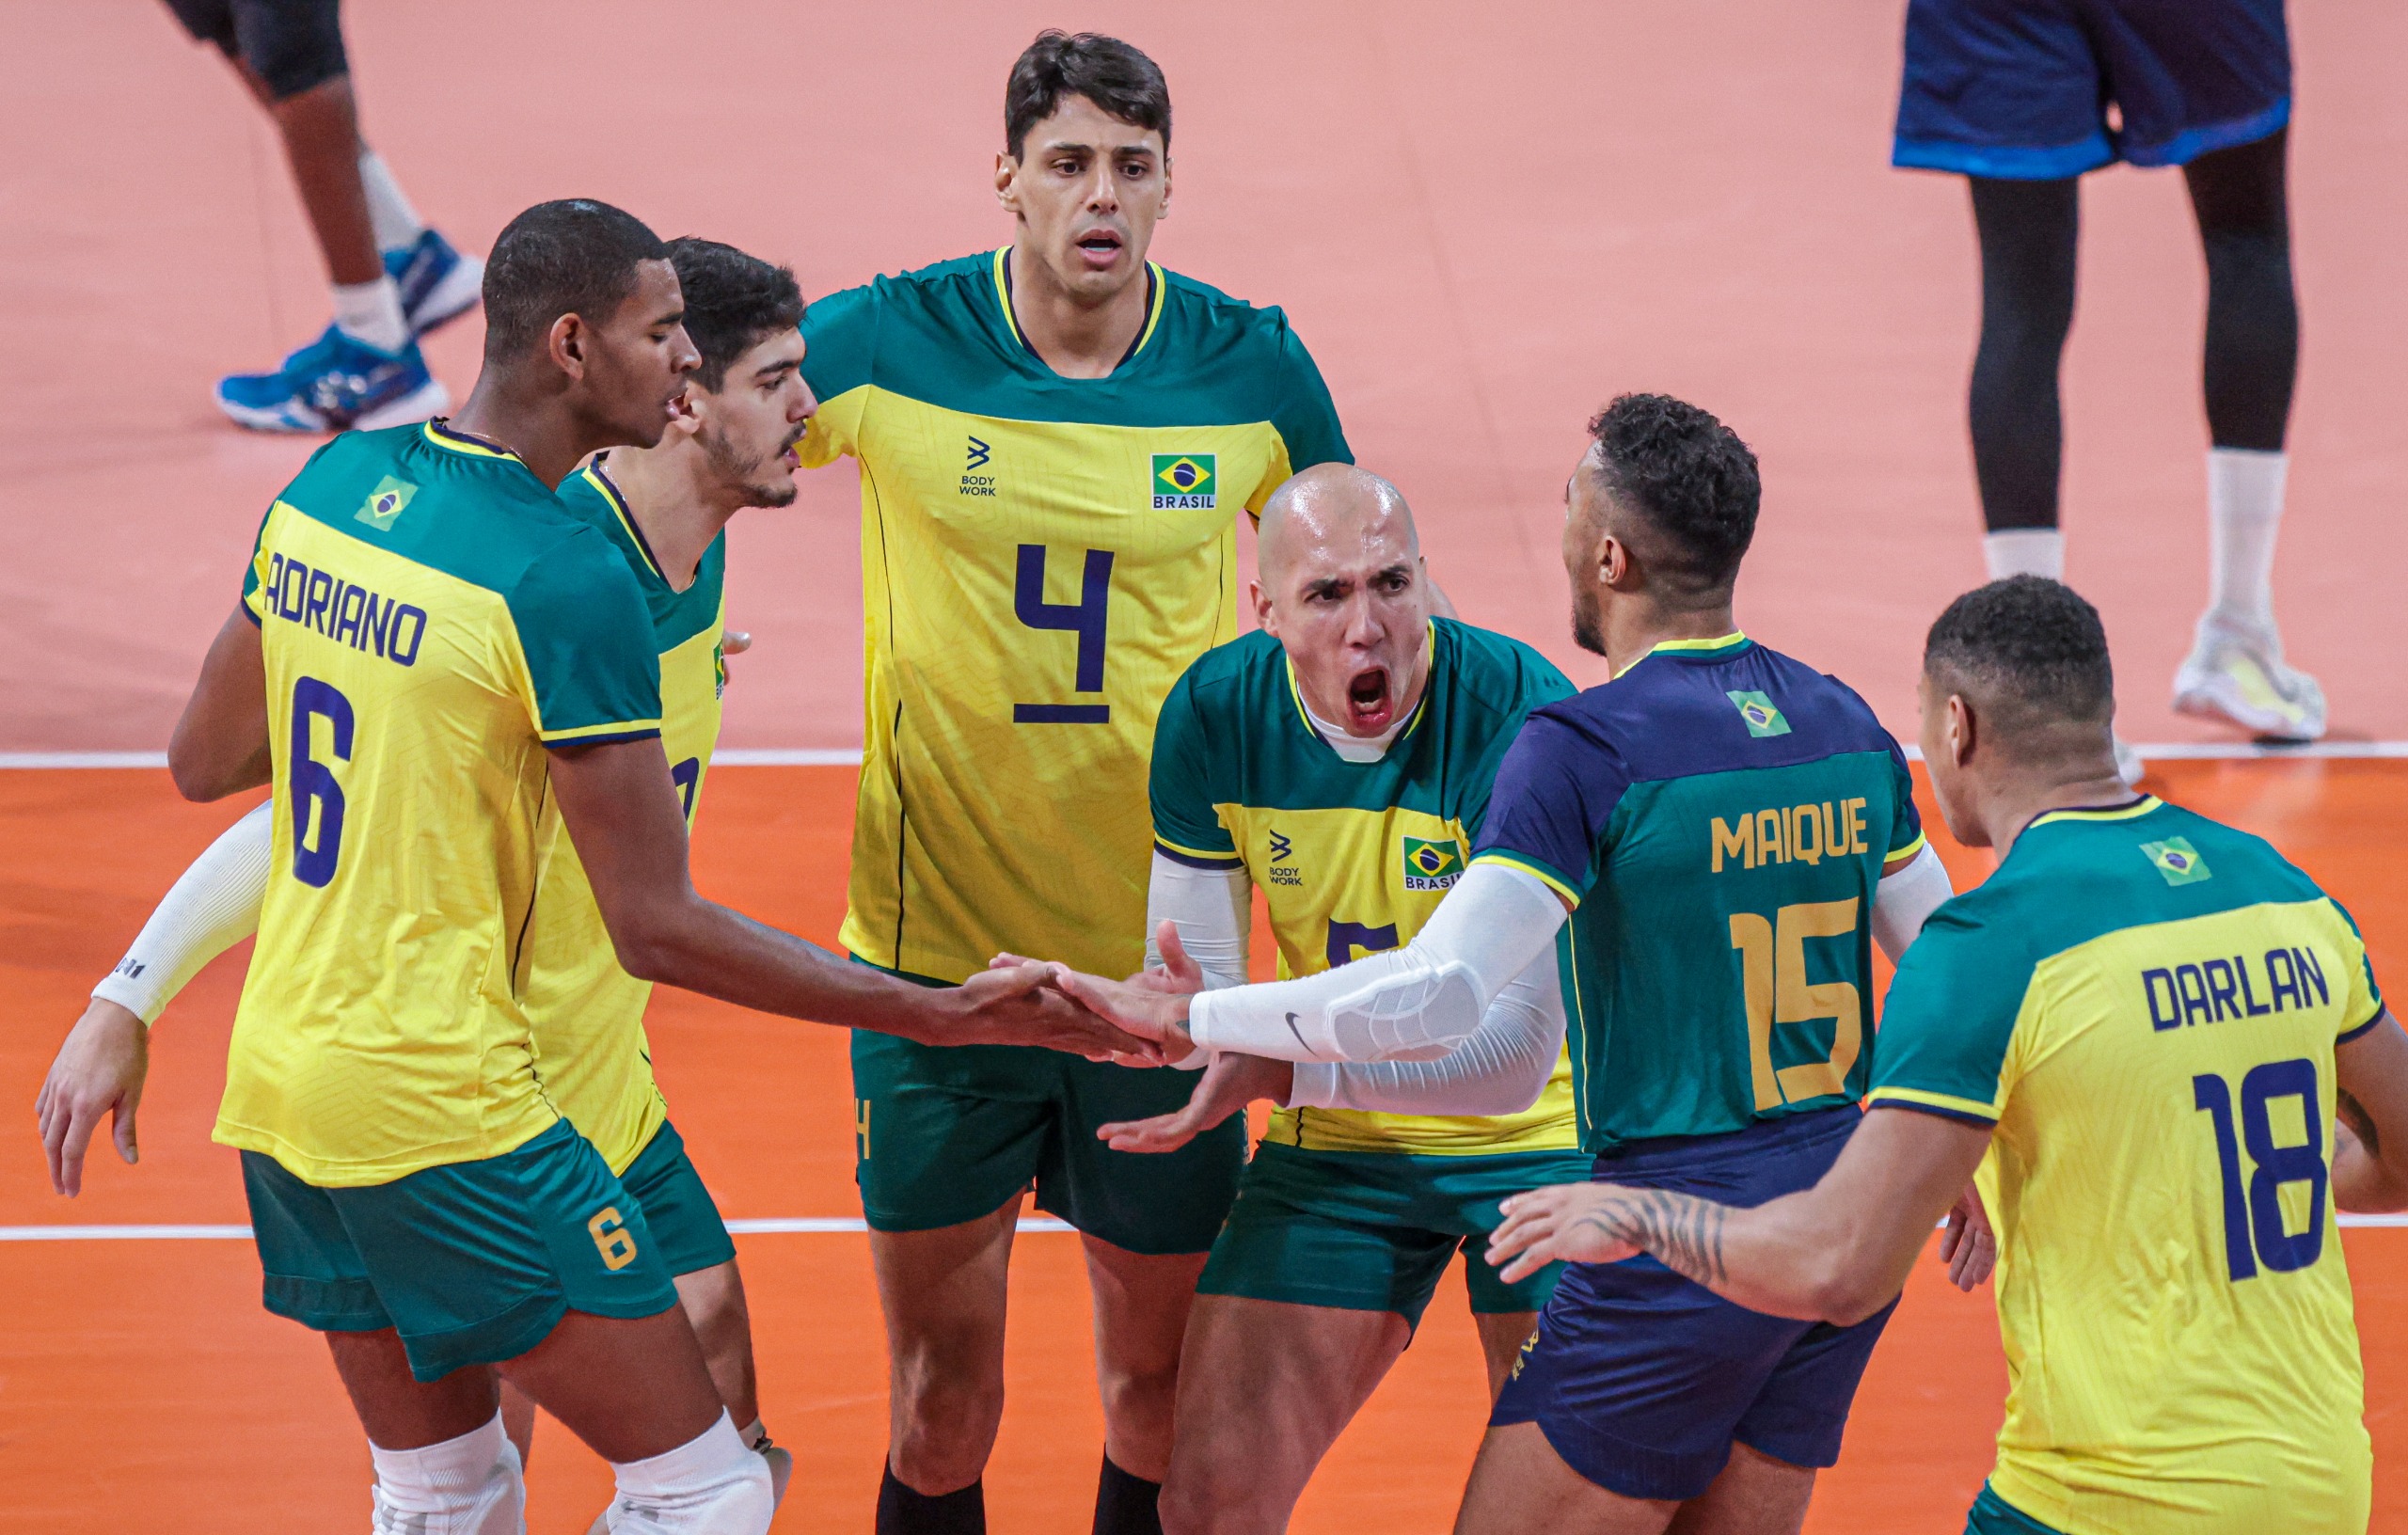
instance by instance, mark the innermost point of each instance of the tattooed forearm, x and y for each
(1685, 1234)
(2353, 1114)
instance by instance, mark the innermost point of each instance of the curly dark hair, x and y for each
(1106, 71)
(734, 302)
(571, 256)
(1691, 478)
(2029, 647)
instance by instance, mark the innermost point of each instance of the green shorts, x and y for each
(686, 1229)
(944, 1135)
(1374, 1230)
(1994, 1515)
(472, 1263)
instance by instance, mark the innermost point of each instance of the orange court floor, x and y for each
(142, 1387)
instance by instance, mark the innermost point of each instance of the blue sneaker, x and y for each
(334, 384)
(438, 282)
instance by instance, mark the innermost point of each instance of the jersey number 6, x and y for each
(313, 782)
(1084, 618)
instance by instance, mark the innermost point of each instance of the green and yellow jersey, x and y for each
(1351, 857)
(431, 621)
(590, 1053)
(2146, 1003)
(1041, 558)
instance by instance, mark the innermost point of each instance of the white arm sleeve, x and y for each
(1210, 907)
(213, 905)
(1412, 1004)
(1903, 900)
(1501, 1069)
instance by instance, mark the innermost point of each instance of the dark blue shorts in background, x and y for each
(1641, 1379)
(2019, 89)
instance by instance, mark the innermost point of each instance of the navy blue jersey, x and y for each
(1718, 815)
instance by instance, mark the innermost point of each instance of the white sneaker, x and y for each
(2129, 765)
(2235, 671)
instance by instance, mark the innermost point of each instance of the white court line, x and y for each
(807, 1225)
(851, 756)
(772, 1225)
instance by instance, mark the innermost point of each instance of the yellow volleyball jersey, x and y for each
(1041, 558)
(2146, 1003)
(431, 622)
(1352, 856)
(591, 1052)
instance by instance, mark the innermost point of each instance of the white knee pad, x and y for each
(713, 1484)
(466, 1486)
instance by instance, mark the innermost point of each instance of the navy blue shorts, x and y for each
(2020, 90)
(1642, 1380)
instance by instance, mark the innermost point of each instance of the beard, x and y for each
(766, 481)
(1588, 630)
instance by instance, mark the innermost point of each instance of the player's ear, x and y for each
(1964, 730)
(1261, 600)
(1006, 180)
(568, 343)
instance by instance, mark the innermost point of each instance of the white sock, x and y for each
(372, 313)
(2244, 513)
(713, 1484)
(389, 212)
(2025, 551)
(466, 1486)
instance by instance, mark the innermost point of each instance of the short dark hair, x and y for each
(734, 302)
(1691, 478)
(2031, 649)
(573, 256)
(1106, 71)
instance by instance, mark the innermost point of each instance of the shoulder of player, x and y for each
(1200, 316)
(1488, 674)
(1228, 685)
(476, 518)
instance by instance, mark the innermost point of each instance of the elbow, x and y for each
(648, 949)
(1843, 1290)
(198, 780)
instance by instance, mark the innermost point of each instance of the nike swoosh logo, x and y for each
(1298, 1033)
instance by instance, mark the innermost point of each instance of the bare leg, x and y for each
(1501, 1337)
(630, 1389)
(944, 1293)
(518, 1421)
(320, 130)
(1519, 1484)
(714, 1303)
(399, 1411)
(1755, 1494)
(1264, 1389)
(1141, 1305)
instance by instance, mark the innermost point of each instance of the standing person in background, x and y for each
(394, 279)
(2015, 96)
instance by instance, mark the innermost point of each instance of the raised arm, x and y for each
(1837, 1252)
(624, 816)
(1500, 1069)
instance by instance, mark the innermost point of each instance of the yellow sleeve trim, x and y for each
(1909, 850)
(1935, 1100)
(622, 727)
(1194, 852)
(1527, 866)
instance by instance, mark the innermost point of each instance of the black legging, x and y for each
(2028, 234)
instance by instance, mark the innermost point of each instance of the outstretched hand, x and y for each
(1018, 1005)
(100, 1070)
(1151, 1005)
(1968, 1245)
(1569, 1223)
(1227, 1085)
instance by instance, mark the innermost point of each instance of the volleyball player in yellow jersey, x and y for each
(433, 655)
(1055, 440)
(731, 446)
(2140, 1028)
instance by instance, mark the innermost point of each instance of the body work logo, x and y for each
(1186, 482)
(1432, 865)
(973, 484)
(385, 502)
(1757, 712)
(1281, 872)
(2177, 860)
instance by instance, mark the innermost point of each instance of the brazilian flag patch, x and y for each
(1432, 865)
(1186, 482)
(2178, 861)
(1757, 712)
(385, 502)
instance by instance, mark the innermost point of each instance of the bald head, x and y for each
(1334, 512)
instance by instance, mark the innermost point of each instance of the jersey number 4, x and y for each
(1084, 618)
(2253, 1229)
